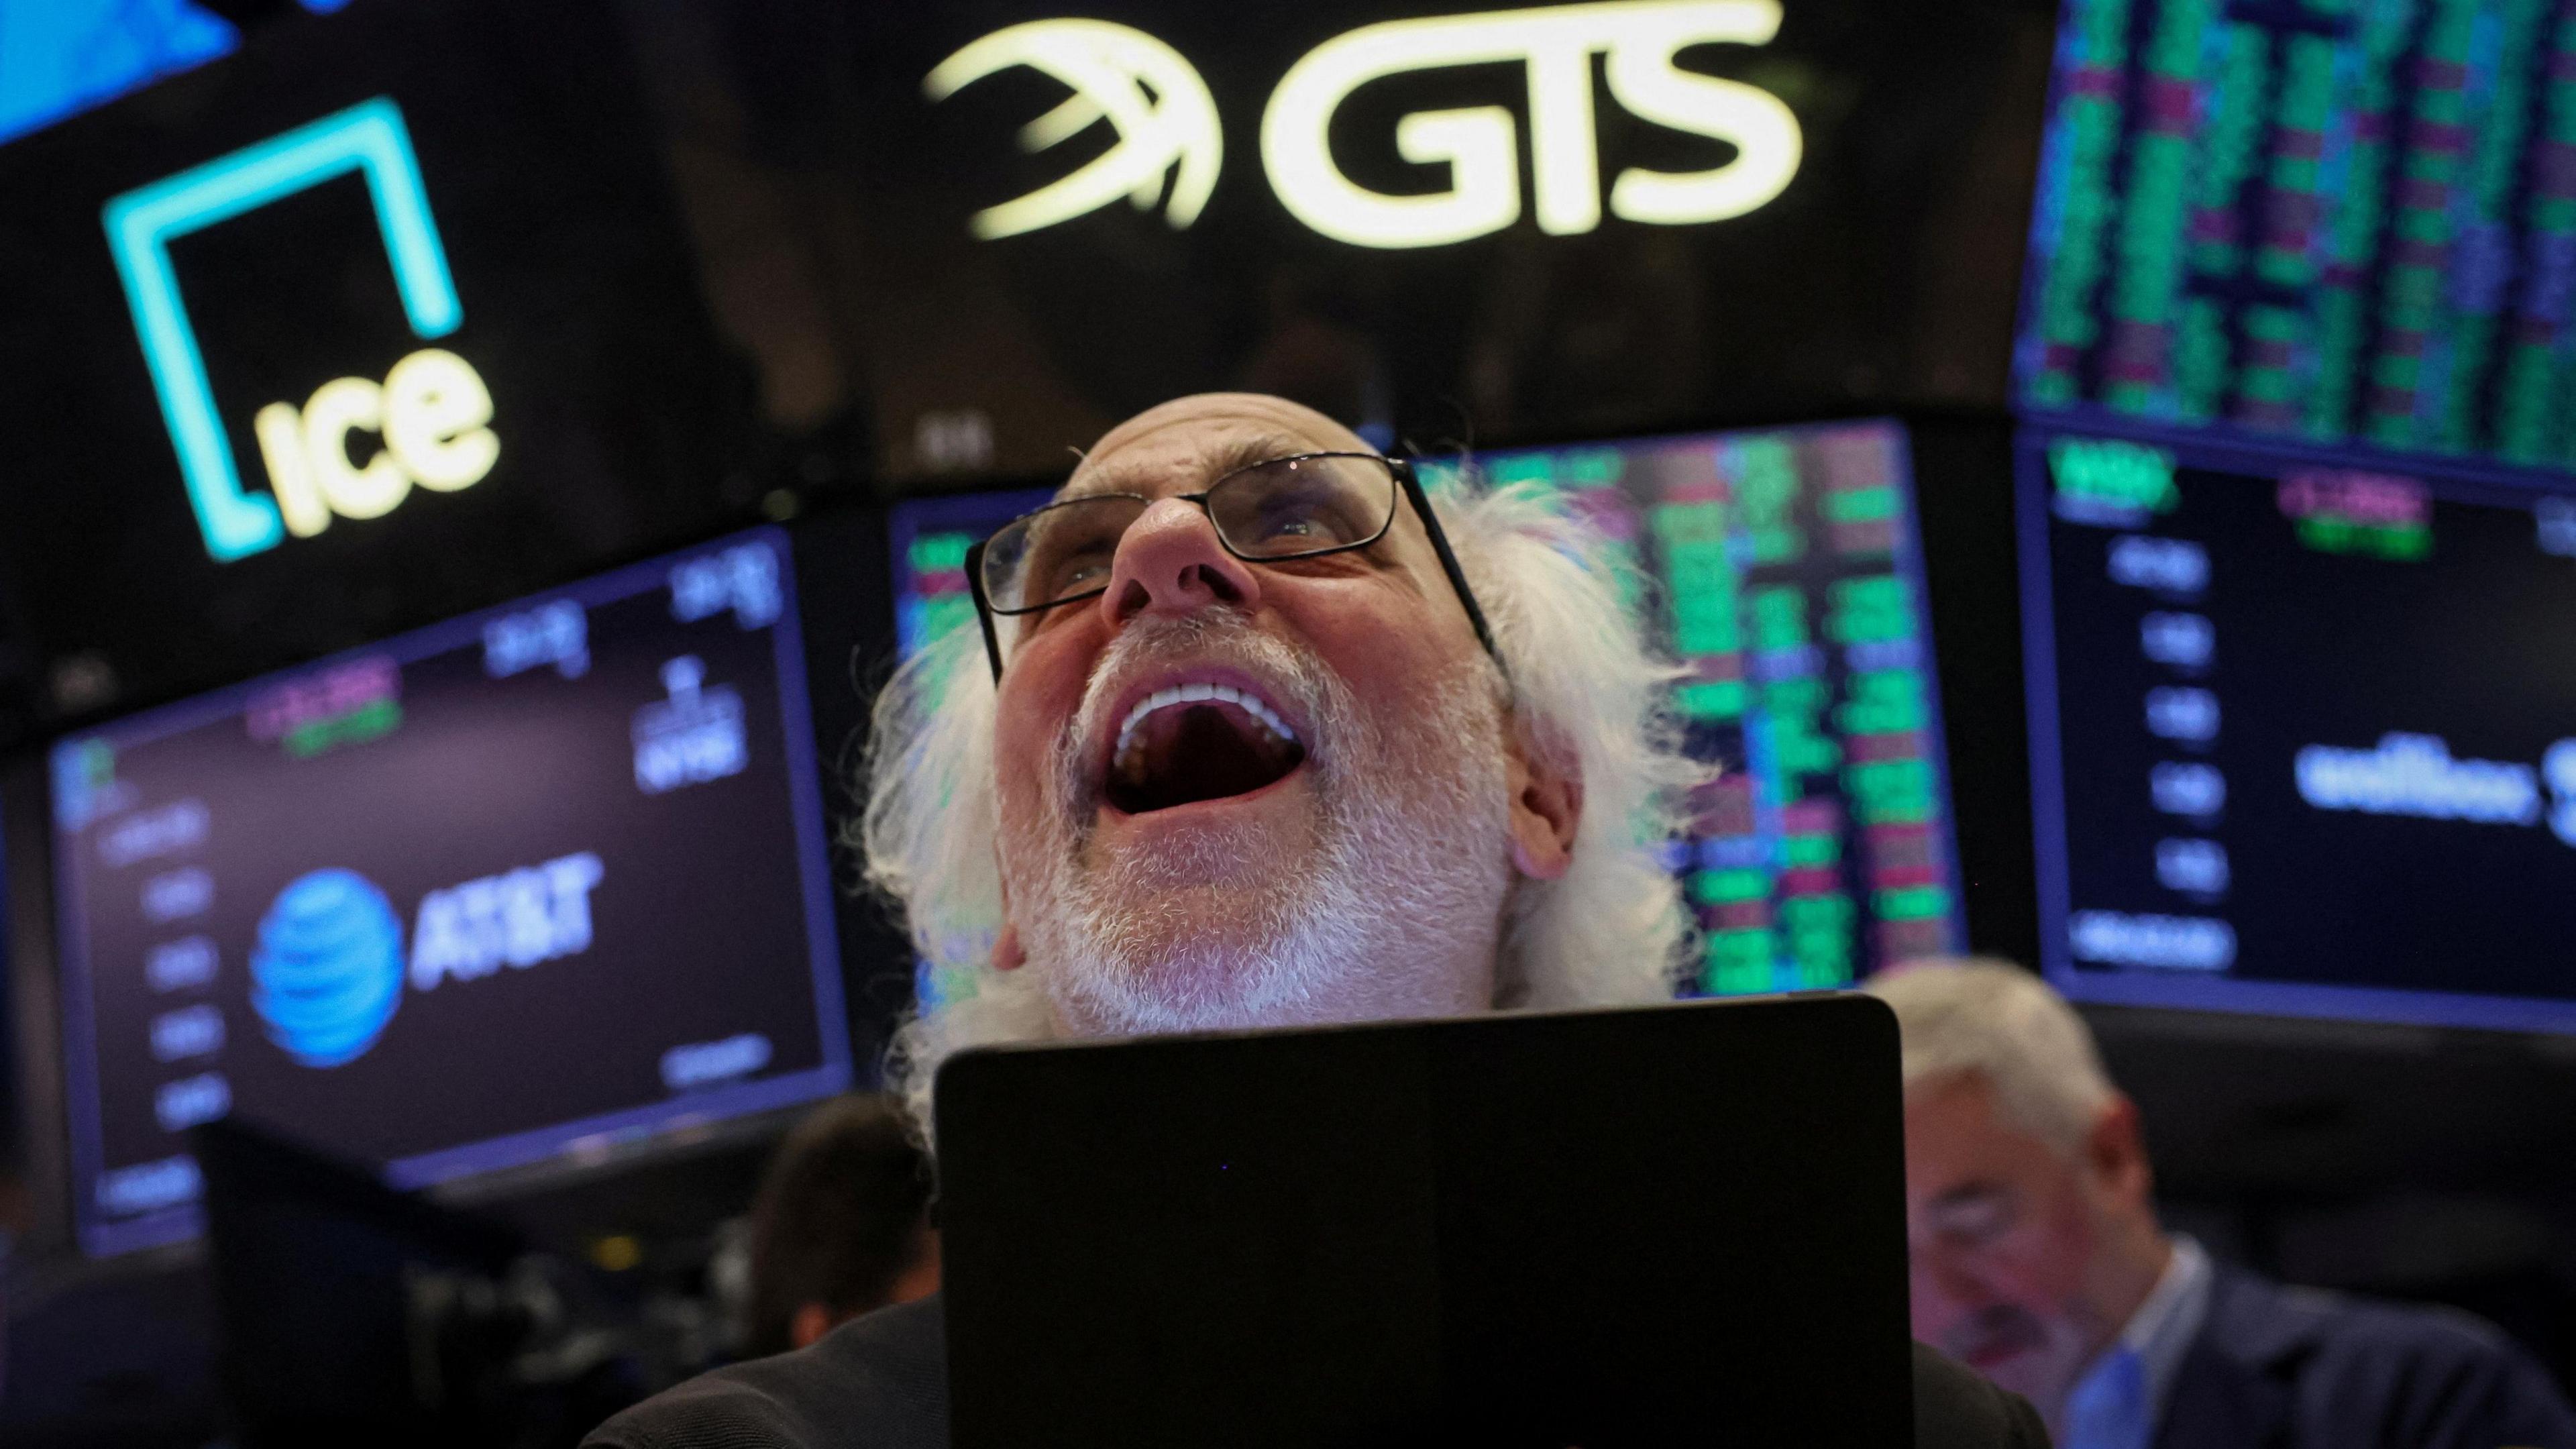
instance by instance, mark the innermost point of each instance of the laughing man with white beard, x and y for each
(1242, 749)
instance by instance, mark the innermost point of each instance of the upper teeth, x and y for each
(1244, 700)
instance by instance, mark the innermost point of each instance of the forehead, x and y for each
(1957, 1126)
(1182, 450)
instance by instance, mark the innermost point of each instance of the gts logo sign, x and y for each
(432, 409)
(1166, 121)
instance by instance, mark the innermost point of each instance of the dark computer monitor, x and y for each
(546, 879)
(1434, 1233)
(2303, 733)
(1782, 567)
(324, 1283)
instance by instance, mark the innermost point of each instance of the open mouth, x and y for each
(1190, 742)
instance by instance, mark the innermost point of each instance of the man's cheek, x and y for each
(2042, 1278)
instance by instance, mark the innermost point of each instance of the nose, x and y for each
(1170, 562)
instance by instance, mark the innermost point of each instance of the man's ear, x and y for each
(2117, 1150)
(1547, 805)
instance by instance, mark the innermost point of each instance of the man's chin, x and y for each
(1183, 964)
(2035, 1371)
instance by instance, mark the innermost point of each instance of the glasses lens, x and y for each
(1056, 553)
(1303, 505)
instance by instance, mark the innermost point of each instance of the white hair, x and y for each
(1978, 1018)
(1584, 694)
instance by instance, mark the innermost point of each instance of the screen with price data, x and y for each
(546, 878)
(2303, 735)
(1782, 569)
(2312, 222)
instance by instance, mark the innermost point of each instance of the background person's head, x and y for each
(1400, 828)
(841, 1225)
(2032, 1230)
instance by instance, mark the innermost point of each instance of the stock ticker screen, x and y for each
(2338, 222)
(1781, 569)
(2303, 735)
(539, 879)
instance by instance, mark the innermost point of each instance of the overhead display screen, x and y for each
(2303, 737)
(1433, 219)
(2351, 224)
(545, 877)
(1782, 568)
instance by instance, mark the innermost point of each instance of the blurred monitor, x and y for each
(1782, 568)
(2303, 735)
(545, 879)
(2319, 222)
(929, 538)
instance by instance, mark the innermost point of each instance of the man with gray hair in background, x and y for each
(1255, 732)
(2038, 1260)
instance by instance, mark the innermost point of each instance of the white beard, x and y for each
(1407, 868)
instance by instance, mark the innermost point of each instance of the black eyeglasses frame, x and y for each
(1407, 482)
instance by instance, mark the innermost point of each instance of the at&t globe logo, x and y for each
(328, 971)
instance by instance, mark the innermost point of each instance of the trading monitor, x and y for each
(2303, 735)
(1782, 568)
(548, 878)
(929, 538)
(2349, 225)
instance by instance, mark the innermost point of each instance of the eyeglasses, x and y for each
(1305, 506)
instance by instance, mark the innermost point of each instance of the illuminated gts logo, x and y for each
(1162, 110)
(1166, 120)
(430, 410)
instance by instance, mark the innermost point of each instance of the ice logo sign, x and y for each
(1165, 119)
(327, 974)
(1167, 122)
(432, 408)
